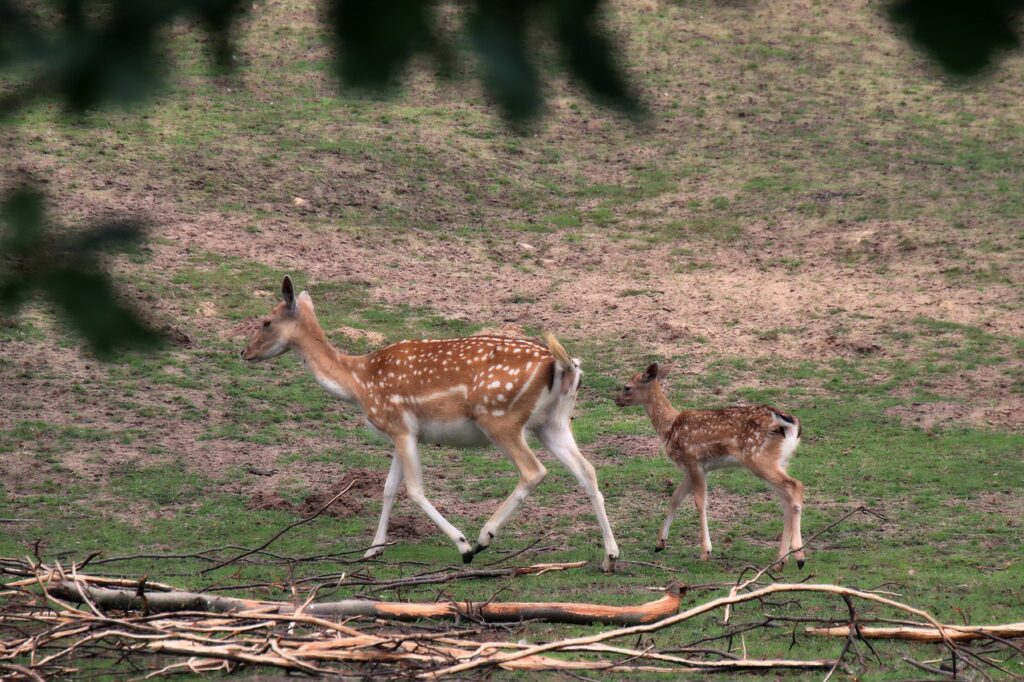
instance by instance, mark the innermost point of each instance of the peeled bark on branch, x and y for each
(487, 612)
(956, 633)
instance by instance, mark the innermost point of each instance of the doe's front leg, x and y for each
(391, 486)
(405, 448)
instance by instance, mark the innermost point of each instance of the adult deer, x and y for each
(462, 392)
(758, 437)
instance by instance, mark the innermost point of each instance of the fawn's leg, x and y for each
(682, 490)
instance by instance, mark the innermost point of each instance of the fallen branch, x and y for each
(158, 602)
(956, 633)
(686, 615)
(484, 612)
(807, 543)
(928, 668)
(96, 580)
(15, 670)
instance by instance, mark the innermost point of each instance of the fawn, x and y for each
(758, 437)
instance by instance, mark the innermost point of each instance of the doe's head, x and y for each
(637, 390)
(279, 328)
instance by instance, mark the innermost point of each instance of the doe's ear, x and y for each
(664, 370)
(288, 292)
(651, 373)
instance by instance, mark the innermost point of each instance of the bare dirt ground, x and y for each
(577, 291)
(728, 303)
(727, 308)
(792, 286)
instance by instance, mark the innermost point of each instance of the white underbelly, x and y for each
(721, 463)
(462, 432)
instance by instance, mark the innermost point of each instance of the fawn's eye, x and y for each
(266, 323)
(627, 389)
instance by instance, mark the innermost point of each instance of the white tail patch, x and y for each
(791, 429)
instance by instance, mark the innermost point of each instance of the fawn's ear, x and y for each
(651, 373)
(664, 370)
(288, 292)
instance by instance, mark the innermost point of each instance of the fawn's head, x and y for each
(279, 328)
(637, 390)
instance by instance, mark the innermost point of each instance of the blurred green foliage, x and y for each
(85, 53)
(89, 53)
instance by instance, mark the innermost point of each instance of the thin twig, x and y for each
(927, 668)
(757, 576)
(281, 532)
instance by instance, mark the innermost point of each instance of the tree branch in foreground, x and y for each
(483, 612)
(956, 633)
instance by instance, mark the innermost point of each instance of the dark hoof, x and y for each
(479, 548)
(799, 563)
(659, 548)
(467, 557)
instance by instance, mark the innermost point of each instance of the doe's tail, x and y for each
(567, 370)
(558, 350)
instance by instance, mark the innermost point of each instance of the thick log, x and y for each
(155, 602)
(488, 612)
(956, 633)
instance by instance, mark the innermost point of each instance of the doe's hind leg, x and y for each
(559, 442)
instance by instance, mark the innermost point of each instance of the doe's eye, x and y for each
(627, 389)
(266, 323)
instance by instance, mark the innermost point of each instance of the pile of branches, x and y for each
(61, 622)
(58, 622)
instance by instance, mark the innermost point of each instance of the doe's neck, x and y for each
(339, 374)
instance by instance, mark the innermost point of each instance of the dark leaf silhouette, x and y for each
(106, 237)
(376, 40)
(589, 55)
(87, 302)
(23, 214)
(66, 271)
(964, 36)
(87, 54)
